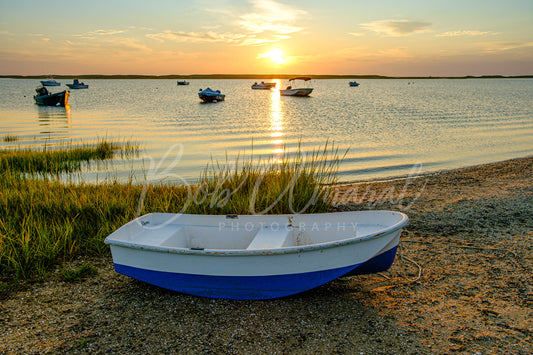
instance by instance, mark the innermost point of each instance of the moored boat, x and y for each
(255, 256)
(209, 95)
(354, 83)
(290, 91)
(50, 81)
(46, 98)
(182, 82)
(263, 86)
(76, 84)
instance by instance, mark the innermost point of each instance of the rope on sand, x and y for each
(417, 265)
(403, 259)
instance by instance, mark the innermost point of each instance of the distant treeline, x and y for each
(259, 76)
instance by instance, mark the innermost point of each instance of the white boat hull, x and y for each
(264, 86)
(50, 83)
(296, 92)
(254, 257)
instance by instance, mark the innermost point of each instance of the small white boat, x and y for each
(264, 86)
(290, 91)
(182, 82)
(209, 95)
(50, 81)
(254, 256)
(354, 83)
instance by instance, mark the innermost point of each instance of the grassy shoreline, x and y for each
(44, 222)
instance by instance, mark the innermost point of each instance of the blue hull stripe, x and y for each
(378, 263)
(253, 287)
(235, 287)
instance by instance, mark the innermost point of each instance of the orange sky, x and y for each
(384, 37)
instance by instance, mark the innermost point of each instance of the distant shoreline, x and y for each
(259, 76)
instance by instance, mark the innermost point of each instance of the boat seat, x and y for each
(267, 238)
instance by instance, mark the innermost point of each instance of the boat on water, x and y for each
(290, 91)
(46, 98)
(183, 82)
(209, 95)
(254, 256)
(354, 83)
(50, 81)
(263, 86)
(76, 84)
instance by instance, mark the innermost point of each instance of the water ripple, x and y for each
(387, 125)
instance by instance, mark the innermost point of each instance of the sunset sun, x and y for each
(275, 55)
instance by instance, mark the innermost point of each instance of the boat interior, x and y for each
(232, 235)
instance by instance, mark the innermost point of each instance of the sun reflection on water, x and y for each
(276, 121)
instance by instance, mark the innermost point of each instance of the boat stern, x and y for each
(64, 101)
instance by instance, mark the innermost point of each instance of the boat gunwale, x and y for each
(250, 252)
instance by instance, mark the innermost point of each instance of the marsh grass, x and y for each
(67, 159)
(294, 183)
(10, 138)
(44, 222)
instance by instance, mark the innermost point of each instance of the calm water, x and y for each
(388, 125)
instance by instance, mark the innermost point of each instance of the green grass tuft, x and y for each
(294, 183)
(78, 275)
(10, 138)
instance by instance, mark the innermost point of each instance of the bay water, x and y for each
(389, 127)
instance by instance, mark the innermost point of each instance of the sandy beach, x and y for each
(461, 283)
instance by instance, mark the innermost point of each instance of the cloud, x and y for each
(210, 36)
(105, 32)
(494, 47)
(268, 22)
(106, 45)
(140, 28)
(464, 33)
(97, 33)
(397, 28)
(182, 36)
(390, 55)
(270, 16)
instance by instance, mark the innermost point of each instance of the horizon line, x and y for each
(257, 76)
